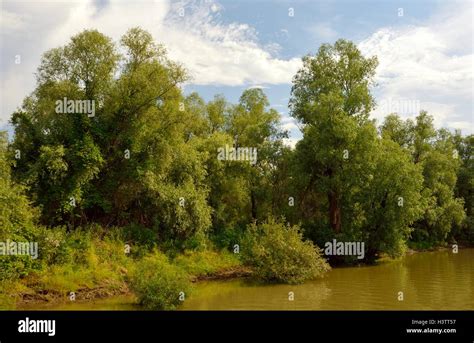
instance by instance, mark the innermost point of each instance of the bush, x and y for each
(138, 235)
(157, 283)
(227, 237)
(17, 219)
(14, 267)
(278, 253)
(52, 246)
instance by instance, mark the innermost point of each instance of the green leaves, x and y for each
(139, 133)
(279, 253)
(434, 152)
(159, 284)
(140, 47)
(335, 80)
(149, 154)
(52, 164)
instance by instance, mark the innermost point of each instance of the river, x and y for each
(440, 280)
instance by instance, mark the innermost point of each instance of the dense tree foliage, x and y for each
(361, 187)
(465, 185)
(17, 217)
(148, 155)
(132, 160)
(440, 154)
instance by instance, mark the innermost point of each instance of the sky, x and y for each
(424, 47)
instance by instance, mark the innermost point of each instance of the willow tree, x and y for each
(441, 160)
(60, 153)
(352, 184)
(331, 98)
(241, 190)
(133, 159)
(465, 183)
(254, 125)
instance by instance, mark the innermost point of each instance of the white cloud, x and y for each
(288, 123)
(12, 21)
(431, 65)
(214, 53)
(258, 87)
(323, 31)
(290, 142)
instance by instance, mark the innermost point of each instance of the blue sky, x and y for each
(426, 54)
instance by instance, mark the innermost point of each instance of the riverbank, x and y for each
(46, 300)
(96, 263)
(27, 293)
(93, 264)
(439, 280)
(454, 247)
(28, 296)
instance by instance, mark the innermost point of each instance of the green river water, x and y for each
(438, 280)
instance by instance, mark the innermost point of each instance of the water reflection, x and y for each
(431, 280)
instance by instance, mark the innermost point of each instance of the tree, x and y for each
(60, 149)
(331, 97)
(254, 126)
(134, 159)
(465, 183)
(240, 191)
(433, 151)
(391, 200)
(353, 185)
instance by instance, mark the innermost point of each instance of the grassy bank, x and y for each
(94, 262)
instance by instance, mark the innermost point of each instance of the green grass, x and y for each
(94, 258)
(207, 262)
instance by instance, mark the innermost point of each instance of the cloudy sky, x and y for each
(425, 48)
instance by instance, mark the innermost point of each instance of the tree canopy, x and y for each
(148, 153)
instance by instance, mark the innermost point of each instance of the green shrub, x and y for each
(278, 253)
(13, 267)
(157, 283)
(16, 226)
(227, 237)
(58, 247)
(140, 235)
(17, 219)
(53, 248)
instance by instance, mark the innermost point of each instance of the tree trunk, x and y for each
(253, 206)
(334, 212)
